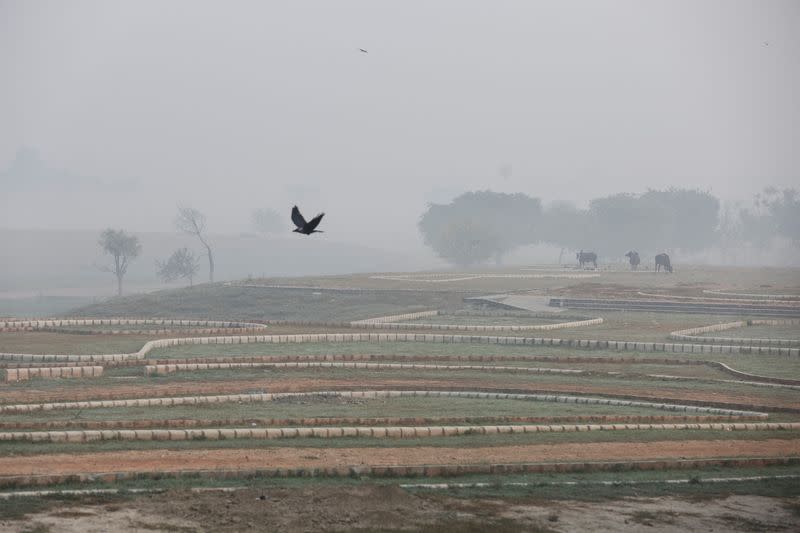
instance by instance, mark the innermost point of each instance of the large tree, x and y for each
(183, 263)
(123, 248)
(193, 222)
(478, 226)
(775, 213)
(655, 221)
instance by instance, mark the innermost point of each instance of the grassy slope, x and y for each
(231, 303)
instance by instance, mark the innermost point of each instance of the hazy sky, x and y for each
(229, 106)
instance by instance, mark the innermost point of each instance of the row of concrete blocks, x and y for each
(747, 341)
(692, 334)
(709, 329)
(173, 423)
(774, 322)
(395, 318)
(170, 368)
(753, 377)
(412, 337)
(53, 372)
(266, 397)
(400, 471)
(50, 323)
(443, 278)
(479, 327)
(407, 432)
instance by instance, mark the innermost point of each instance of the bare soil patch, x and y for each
(122, 391)
(342, 508)
(287, 457)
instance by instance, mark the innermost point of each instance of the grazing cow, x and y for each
(586, 257)
(633, 257)
(663, 260)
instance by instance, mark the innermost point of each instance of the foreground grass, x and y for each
(461, 441)
(221, 302)
(338, 407)
(782, 366)
(263, 380)
(540, 487)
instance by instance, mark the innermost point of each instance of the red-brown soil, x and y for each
(156, 460)
(124, 391)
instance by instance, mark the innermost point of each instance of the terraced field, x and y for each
(365, 397)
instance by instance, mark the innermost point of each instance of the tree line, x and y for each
(183, 263)
(482, 226)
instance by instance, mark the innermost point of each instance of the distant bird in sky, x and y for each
(363, 50)
(306, 228)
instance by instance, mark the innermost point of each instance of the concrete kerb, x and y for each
(198, 400)
(695, 335)
(400, 471)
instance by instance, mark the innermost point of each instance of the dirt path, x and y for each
(342, 508)
(144, 390)
(154, 460)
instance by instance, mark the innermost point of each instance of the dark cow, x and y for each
(633, 257)
(663, 260)
(586, 257)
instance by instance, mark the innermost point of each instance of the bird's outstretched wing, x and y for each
(314, 222)
(297, 218)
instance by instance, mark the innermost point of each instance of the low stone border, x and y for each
(582, 483)
(694, 334)
(745, 296)
(208, 326)
(265, 397)
(395, 322)
(392, 432)
(395, 318)
(149, 423)
(159, 370)
(403, 471)
(710, 299)
(53, 372)
(479, 327)
(411, 337)
(442, 278)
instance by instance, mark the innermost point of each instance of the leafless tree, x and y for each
(181, 264)
(193, 222)
(124, 248)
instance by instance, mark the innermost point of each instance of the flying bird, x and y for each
(306, 228)
(363, 50)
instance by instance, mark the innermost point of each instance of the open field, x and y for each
(500, 421)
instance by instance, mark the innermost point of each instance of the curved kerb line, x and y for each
(266, 397)
(411, 337)
(394, 432)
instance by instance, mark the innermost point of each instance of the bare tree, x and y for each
(124, 248)
(181, 264)
(193, 222)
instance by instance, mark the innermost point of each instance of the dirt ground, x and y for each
(118, 392)
(391, 508)
(289, 457)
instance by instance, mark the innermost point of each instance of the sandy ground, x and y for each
(154, 460)
(342, 509)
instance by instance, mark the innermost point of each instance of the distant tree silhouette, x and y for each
(478, 226)
(193, 222)
(123, 248)
(183, 263)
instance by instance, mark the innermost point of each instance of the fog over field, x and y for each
(114, 113)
